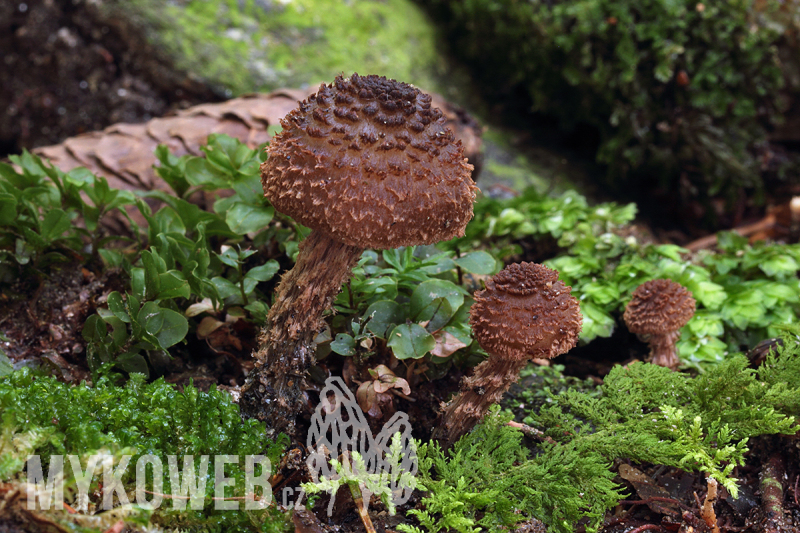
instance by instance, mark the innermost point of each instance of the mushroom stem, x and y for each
(286, 350)
(484, 388)
(663, 349)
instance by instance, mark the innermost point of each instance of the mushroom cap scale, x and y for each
(659, 306)
(526, 312)
(369, 162)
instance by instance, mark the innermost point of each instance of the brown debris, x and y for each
(771, 480)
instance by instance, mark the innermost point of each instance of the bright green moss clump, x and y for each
(41, 416)
(643, 413)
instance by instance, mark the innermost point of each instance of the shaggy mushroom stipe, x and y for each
(525, 312)
(366, 162)
(657, 311)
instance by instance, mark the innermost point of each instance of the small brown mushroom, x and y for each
(657, 311)
(525, 312)
(366, 162)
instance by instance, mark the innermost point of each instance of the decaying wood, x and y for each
(123, 153)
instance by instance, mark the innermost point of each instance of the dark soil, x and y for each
(69, 68)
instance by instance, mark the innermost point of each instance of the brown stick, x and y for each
(707, 510)
(273, 391)
(710, 241)
(772, 495)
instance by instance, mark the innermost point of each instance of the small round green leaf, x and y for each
(428, 291)
(244, 218)
(382, 316)
(344, 344)
(410, 341)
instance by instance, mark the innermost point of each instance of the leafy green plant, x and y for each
(745, 293)
(409, 300)
(38, 207)
(194, 256)
(671, 87)
(353, 473)
(489, 481)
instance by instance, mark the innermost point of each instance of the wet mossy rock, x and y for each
(260, 45)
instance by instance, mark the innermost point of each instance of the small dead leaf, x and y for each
(446, 344)
(207, 326)
(367, 398)
(205, 305)
(647, 488)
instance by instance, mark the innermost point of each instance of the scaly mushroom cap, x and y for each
(369, 162)
(526, 312)
(659, 306)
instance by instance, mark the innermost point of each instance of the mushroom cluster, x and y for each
(657, 311)
(366, 162)
(525, 312)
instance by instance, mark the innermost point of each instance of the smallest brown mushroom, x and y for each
(525, 312)
(656, 313)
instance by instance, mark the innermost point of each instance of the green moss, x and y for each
(247, 45)
(41, 416)
(642, 412)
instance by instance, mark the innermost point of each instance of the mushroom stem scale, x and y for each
(287, 342)
(663, 350)
(484, 388)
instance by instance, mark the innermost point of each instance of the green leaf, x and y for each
(117, 306)
(200, 174)
(138, 282)
(410, 341)
(480, 262)
(5, 364)
(779, 266)
(229, 256)
(425, 294)
(344, 344)
(226, 288)
(264, 272)
(383, 315)
(166, 325)
(173, 284)
(152, 282)
(596, 322)
(244, 218)
(8, 208)
(437, 314)
(94, 329)
(132, 362)
(55, 223)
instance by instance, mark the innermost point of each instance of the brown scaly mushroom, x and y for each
(657, 311)
(525, 312)
(366, 162)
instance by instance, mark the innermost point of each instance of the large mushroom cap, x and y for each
(659, 306)
(369, 162)
(526, 312)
